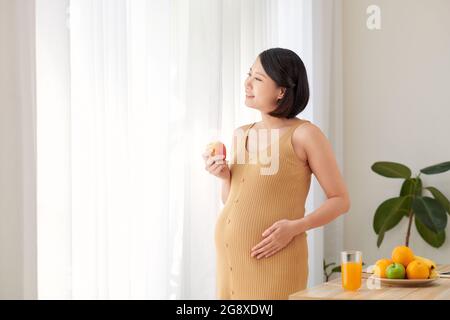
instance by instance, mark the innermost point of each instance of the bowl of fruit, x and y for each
(404, 268)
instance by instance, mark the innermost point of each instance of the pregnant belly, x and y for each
(240, 230)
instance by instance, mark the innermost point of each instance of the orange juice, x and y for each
(351, 275)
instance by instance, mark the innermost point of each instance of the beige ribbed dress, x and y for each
(254, 203)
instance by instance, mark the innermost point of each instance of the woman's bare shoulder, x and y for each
(302, 136)
(307, 129)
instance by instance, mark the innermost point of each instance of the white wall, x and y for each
(397, 108)
(17, 155)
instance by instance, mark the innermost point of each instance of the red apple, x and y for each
(217, 148)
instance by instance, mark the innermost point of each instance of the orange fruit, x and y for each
(417, 270)
(403, 255)
(380, 267)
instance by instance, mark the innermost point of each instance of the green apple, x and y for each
(395, 271)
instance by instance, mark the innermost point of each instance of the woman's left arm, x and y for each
(323, 164)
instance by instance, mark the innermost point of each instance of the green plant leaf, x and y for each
(380, 237)
(336, 269)
(328, 265)
(391, 169)
(437, 168)
(432, 238)
(419, 187)
(385, 215)
(430, 212)
(397, 216)
(395, 212)
(440, 198)
(411, 186)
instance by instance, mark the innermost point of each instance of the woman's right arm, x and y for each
(226, 183)
(219, 168)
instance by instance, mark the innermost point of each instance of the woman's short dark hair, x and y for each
(287, 70)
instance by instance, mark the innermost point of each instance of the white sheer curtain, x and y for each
(328, 108)
(127, 99)
(17, 150)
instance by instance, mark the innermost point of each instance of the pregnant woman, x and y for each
(261, 233)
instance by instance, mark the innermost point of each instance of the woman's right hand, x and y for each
(216, 165)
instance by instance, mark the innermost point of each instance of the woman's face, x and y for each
(261, 92)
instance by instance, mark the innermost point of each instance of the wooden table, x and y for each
(332, 290)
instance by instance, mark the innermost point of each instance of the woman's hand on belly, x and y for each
(276, 237)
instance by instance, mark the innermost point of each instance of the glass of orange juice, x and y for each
(351, 269)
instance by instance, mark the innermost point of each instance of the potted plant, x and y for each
(428, 213)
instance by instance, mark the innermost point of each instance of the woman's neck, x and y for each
(269, 122)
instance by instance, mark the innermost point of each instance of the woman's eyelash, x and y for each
(249, 74)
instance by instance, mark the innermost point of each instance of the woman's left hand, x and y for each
(278, 236)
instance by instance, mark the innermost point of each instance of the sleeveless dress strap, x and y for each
(284, 136)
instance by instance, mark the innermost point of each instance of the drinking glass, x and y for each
(351, 269)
